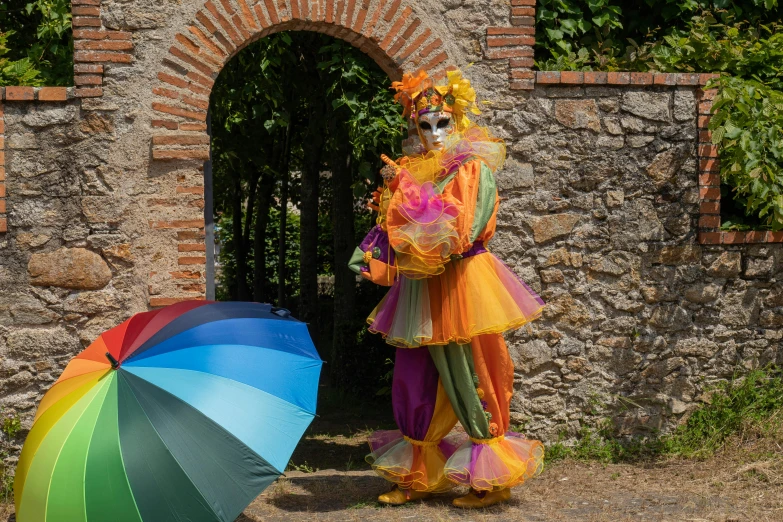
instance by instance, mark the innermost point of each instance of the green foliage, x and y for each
(748, 126)
(735, 406)
(386, 380)
(36, 43)
(272, 87)
(618, 34)
(17, 72)
(304, 468)
(256, 96)
(376, 122)
(740, 38)
(724, 44)
(9, 429)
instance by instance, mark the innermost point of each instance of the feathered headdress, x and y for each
(418, 95)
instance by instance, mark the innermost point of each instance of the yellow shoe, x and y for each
(481, 499)
(398, 496)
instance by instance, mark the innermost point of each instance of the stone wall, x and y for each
(608, 194)
(600, 211)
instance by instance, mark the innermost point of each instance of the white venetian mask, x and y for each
(434, 127)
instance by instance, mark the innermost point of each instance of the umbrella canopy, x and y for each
(181, 414)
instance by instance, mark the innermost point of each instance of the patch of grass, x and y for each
(747, 407)
(10, 426)
(361, 504)
(304, 468)
(741, 404)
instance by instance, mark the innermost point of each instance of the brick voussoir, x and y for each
(361, 17)
(373, 23)
(261, 16)
(247, 14)
(196, 50)
(394, 30)
(271, 8)
(177, 111)
(224, 23)
(205, 68)
(415, 23)
(293, 6)
(414, 46)
(208, 41)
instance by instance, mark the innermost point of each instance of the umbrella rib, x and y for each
(211, 420)
(130, 388)
(65, 441)
(122, 460)
(141, 356)
(222, 377)
(84, 375)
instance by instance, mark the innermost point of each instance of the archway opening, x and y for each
(298, 122)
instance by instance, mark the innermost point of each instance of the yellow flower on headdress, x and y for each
(415, 95)
(409, 88)
(463, 97)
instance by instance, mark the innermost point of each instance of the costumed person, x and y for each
(449, 302)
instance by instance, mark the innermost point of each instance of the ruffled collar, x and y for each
(475, 142)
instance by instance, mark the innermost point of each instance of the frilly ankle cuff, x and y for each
(410, 463)
(498, 463)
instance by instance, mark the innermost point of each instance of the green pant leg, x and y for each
(455, 367)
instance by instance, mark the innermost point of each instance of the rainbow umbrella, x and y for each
(181, 414)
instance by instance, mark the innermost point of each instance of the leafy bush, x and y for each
(17, 72)
(748, 125)
(609, 34)
(36, 43)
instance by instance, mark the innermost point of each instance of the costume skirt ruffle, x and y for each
(475, 295)
(411, 464)
(500, 463)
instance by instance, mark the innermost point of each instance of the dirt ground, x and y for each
(738, 485)
(328, 480)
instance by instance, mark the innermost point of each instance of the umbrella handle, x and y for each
(114, 362)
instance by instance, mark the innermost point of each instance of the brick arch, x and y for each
(386, 30)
